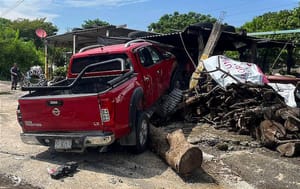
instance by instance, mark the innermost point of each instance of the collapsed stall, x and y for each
(242, 101)
(231, 94)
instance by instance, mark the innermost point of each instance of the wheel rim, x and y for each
(143, 132)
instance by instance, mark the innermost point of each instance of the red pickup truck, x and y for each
(107, 96)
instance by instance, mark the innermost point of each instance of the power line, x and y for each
(11, 8)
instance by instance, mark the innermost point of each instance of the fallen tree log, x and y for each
(182, 156)
(289, 149)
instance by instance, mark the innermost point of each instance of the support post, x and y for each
(253, 53)
(290, 60)
(46, 60)
(74, 43)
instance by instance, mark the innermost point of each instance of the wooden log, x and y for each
(182, 156)
(289, 149)
(291, 125)
(270, 132)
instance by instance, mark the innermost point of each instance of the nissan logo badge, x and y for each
(56, 112)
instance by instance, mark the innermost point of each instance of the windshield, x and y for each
(80, 63)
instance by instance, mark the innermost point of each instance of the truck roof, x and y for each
(119, 48)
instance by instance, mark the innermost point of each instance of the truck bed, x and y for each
(85, 82)
(83, 86)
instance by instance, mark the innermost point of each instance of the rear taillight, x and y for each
(107, 112)
(19, 116)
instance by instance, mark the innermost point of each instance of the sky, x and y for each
(137, 14)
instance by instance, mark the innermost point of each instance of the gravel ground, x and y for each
(25, 166)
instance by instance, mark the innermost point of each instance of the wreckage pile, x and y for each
(246, 108)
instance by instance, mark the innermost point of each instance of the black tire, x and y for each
(142, 132)
(175, 79)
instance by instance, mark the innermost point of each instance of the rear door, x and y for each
(152, 73)
(61, 113)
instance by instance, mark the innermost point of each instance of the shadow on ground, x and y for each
(119, 162)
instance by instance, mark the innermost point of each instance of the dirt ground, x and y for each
(230, 161)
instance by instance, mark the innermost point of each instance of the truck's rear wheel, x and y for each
(142, 132)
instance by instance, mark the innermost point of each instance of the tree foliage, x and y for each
(57, 55)
(274, 21)
(15, 50)
(19, 44)
(27, 29)
(176, 21)
(4, 22)
(94, 23)
(60, 71)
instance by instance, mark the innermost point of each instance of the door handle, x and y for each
(146, 78)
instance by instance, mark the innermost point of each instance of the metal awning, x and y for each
(106, 35)
(228, 40)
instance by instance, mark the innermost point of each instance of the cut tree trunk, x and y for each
(182, 156)
(289, 149)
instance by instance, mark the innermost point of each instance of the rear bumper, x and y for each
(79, 141)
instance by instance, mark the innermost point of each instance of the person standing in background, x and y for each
(14, 73)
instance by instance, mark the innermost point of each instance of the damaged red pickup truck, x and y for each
(107, 96)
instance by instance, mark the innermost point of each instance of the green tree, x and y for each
(4, 23)
(13, 49)
(60, 71)
(57, 55)
(274, 21)
(94, 23)
(27, 29)
(176, 21)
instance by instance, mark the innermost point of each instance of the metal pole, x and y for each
(74, 43)
(274, 32)
(253, 53)
(46, 60)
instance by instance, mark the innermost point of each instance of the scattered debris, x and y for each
(66, 170)
(247, 108)
(222, 146)
(113, 180)
(207, 157)
(15, 180)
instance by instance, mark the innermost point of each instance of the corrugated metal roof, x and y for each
(228, 40)
(108, 35)
(99, 35)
